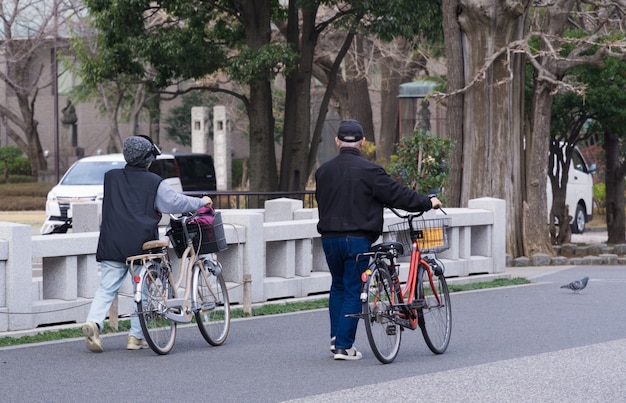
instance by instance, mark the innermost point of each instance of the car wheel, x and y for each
(578, 226)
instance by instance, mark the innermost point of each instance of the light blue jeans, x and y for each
(113, 275)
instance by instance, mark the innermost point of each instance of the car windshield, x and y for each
(90, 172)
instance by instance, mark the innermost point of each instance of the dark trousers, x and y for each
(345, 289)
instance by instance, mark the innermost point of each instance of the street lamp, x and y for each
(55, 87)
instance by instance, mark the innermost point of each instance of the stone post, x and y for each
(498, 236)
(200, 129)
(222, 148)
(18, 276)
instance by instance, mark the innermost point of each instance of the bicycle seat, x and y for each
(156, 244)
(386, 247)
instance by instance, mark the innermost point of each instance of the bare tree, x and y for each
(493, 107)
(551, 67)
(399, 63)
(29, 31)
(501, 157)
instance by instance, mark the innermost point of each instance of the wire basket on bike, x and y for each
(207, 237)
(431, 234)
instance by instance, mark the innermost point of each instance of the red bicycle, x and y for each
(423, 301)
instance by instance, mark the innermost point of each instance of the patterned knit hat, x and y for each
(138, 151)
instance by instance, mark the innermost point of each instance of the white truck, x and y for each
(579, 194)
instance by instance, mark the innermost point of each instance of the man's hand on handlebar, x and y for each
(435, 203)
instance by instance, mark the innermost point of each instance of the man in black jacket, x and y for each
(351, 194)
(134, 199)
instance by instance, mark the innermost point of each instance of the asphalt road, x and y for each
(518, 344)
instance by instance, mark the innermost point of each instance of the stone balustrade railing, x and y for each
(278, 249)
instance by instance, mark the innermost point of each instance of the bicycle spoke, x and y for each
(211, 305)
(435, 318)
(383, 333)
(159, 331)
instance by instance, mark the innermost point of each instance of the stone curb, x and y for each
(574, 255)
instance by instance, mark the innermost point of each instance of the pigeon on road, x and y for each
(577, 285)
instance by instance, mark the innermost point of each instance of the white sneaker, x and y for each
(350, 354)
(332, 345)
(92, 337)
(133, 343)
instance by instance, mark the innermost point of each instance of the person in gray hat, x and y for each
(351, 193)
(134, 200)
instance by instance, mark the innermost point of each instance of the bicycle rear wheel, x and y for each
(383, 333)
(435, 318)
(211, 304)
(159, 331)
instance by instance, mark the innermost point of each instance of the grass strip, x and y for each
(263, 310)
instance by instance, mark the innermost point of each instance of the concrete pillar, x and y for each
(85, 217)
(498, 233)
(200, 129)
(250, 260)
(222, 148)
(18, 276)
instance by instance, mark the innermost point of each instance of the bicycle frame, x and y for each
(406, 298)
(388, 307)
(177, 309)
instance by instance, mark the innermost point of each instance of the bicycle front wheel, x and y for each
(211, 304)
(435, 317)
(382, 332)
(158, 330)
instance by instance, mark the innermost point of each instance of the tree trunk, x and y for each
(553, 23)
(454, 103)
(34, 151)
(493, 110)
(558, 170)
(357, 104)
(262, 162)
(294, 170)
(154, 111)
(389, 124)
(614, 178)
(537, 145)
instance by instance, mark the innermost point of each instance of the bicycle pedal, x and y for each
(418, 303)
(391, 330)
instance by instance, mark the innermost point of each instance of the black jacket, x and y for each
(351, 193)
(128, 215)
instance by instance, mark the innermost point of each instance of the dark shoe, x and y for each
(92, 337)
(350, 354)
(332, 345)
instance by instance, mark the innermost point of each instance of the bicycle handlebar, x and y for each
(411, 216)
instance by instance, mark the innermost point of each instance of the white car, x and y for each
(84, 182)
(579, 192)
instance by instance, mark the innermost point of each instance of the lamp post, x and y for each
(55, 87)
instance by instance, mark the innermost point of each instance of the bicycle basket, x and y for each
(209, 237)
(400, 232)
(431, 235)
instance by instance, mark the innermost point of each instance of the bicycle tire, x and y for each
(383, 334)
(211, 304)
(435, 317)
(158, 330)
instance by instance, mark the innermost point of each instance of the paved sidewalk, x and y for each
(593, 373)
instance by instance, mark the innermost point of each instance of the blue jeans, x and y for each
(113, 275)
(345, 290)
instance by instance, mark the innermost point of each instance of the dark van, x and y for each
(196, 172)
